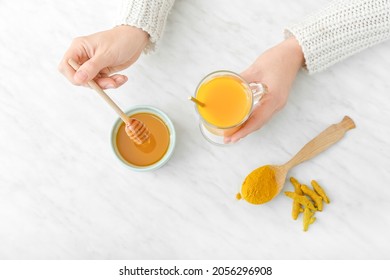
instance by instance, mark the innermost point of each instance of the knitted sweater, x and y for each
(341, 29)
(149, 15)
(337, 31)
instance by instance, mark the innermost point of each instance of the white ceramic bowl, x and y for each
(172, 140)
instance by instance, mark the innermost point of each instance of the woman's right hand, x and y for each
(277, 68)
(102, 54)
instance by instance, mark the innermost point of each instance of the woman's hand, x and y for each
(102, 54)
(276, 68)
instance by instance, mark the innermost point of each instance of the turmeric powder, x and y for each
(259, 186)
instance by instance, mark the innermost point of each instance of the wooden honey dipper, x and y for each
(135, 129)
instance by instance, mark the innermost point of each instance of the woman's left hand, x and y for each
(277, 69)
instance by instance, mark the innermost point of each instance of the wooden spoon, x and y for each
(323, 141)
(134, 128)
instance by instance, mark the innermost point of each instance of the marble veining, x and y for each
(63, 194)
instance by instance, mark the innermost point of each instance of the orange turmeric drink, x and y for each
(226, 99)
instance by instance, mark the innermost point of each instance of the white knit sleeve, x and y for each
(149, 15)
(341, 29)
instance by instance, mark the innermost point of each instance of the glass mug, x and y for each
(228, 101)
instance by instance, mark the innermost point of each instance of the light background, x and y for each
(63, 194)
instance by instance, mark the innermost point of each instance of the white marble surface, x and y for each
(63, 194)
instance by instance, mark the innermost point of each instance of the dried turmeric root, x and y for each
(297, 185)
(296, 208)
(320, 191)
(303, 200)
(308, 218)
(314, 196)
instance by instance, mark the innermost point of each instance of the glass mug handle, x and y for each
(258, 91)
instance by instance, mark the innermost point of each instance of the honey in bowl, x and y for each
(152, 151)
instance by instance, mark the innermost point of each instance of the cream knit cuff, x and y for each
(149, 15)
(340, 30)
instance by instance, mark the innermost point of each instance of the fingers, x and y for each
(89, 69)
(260, 115)
(251, 75)
(66, 69)
(102, 78)
(93, 68)
(269, 104)
(90, 61)
(113, 81)
(77, 52)
(257, 118)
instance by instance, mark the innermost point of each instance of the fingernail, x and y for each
(107, 86)
(122, 79)
(81, 76)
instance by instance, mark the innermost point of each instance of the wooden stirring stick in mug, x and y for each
(193, 99)
(135, 129)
